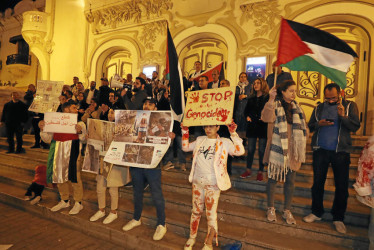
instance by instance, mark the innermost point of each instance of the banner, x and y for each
(60, 122)
(209, 107)
(100, 135)
(46, 98)
(140, 138)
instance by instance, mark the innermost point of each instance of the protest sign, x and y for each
(60, 122)
(140, 138)
(46, 97)
(209, 107)
(100, 135)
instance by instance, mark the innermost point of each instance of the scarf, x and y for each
(279, 151)
(242, 86)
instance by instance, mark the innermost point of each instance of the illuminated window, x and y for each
(148, 70)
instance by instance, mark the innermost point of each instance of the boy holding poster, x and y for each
(209, 176)
(63, 164)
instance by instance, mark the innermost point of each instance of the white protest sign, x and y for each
(60, 122)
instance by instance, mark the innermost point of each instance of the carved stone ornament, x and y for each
(127, 13)
(263, 14)
(150, 31)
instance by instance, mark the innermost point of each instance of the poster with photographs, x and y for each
(46, 97)
(100, 136)
(140, 138)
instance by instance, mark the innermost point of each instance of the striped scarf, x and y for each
(279, 152)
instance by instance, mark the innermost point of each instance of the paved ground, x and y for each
(23, 230)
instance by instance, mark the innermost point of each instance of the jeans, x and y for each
(252, 149)
(11, 130)
(371, 230)
(36, 188)
(153, 177)
(288, 190)
(176, 144)
(340, 165)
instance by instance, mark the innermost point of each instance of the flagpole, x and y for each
(276, 62)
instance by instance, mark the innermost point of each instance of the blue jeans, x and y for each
(371, 230)
(176, 144)
(153, 177)
(252, 149)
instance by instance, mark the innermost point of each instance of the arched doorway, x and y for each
(118, 62)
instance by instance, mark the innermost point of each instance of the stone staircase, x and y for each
(241, 211)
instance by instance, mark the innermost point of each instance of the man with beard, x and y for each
(135, 101)
(90, 93)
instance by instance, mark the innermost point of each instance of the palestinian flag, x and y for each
(209, 72)
(305, 48)
(174, 74)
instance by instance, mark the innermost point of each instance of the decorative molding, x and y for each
(128, 13)
(150, 31)
(308, 85)
(152, 58)
(263, 14)
(352, 83)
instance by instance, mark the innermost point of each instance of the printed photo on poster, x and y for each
(140, 127)
(124, 125)
(46, 96)
(158, 128)
(255, 67)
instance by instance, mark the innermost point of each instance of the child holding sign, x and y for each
(209, 175)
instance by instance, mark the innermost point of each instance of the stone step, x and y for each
(242, 227)
(139, 238)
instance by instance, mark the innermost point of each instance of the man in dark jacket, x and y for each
(104, 90)
(14, 115)
(332, 122)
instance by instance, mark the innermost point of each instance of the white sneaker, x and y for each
(207, 247)
(340, 227)
(110, 218)
(287, 215)
(27, 198)
(62, 204)
(169, 166)
(76, 209)
(160, 232)
(131, 224)
(98, 215)
(189, 244)
(35, 200)
(270, 214)
(311, 218)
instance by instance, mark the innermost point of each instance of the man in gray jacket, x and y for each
(332, 122)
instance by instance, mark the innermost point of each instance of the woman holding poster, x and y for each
(209, 176)
(286, 144)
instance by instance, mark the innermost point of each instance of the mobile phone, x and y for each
(330, 120)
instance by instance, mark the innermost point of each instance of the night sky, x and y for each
(5, 4)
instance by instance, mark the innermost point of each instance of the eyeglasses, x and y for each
(335, 98)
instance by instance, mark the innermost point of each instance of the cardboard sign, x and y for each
(60, 122)
(140, 139)
(46, 98)
(209, 107)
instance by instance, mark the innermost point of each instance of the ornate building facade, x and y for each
(96, 38)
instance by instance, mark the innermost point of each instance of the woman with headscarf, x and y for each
(286, 144)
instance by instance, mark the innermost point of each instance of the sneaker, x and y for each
(183, 167)
(128, 184)
(260, 177)
(76, 209)
(311, 218)
(131, 224)
(207, 247)
(98, 215)
(60, 205)
(110, 218)
(27, 198)
(287, 215)
(35, 200)
(271, 216)
(340, 227)
(160, 232)
(21, 151)
(189, 244)
(169, 166)
(246, 174)
(35, 146)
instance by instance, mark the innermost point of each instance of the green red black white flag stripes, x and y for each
(305, 48)
(174, 74)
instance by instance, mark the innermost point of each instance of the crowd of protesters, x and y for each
(263, 112)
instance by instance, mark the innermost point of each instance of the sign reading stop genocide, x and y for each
(209, 107)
